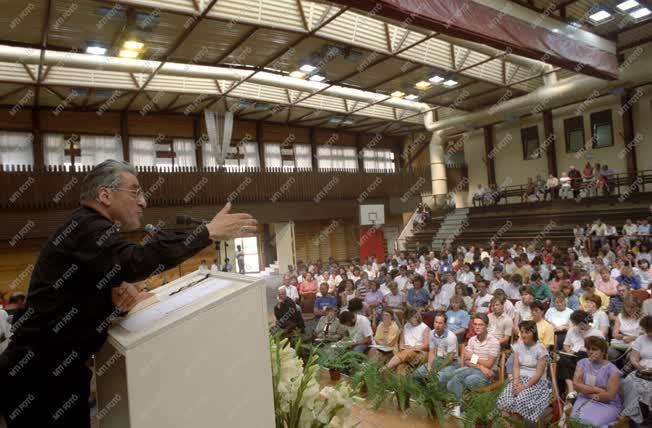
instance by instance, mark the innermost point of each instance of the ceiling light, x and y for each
(555, 30)
(317, 78)
(397, 94)
(412, 97)
(95, 50)
(640, 13)
(307, 68)
(599, 16)
(436, 79)
(125, 53)
(626, 5)
(423, 85)
(450, 82)
(298, 74)
(133, 44)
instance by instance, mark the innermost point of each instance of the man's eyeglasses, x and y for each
(137, 193)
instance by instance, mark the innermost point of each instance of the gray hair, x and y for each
(105, 174)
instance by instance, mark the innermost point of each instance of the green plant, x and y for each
(298, 400)
(435, 398)
(368, 375)
(480, 408)
(339, 358)
(404, 386)
(571, 423)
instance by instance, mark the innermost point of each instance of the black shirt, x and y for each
(69, 301)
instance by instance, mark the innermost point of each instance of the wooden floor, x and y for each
(389, 416)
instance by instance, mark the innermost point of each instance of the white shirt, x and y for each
(509, 268)
(644, 347)
(402, 282)
(361, 329)
(291, 291)
(482, 303)
(644, 229)
(444, 344)
(5, 330)
(630, 229)
(447, 291)
(557, 318)
(214, 268)
(203, 269)
(413, 336)
(600, 320)
(575, 338)
(499, 283)
(466, 277)
(487, 273)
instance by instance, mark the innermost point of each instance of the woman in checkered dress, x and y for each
(527, 395)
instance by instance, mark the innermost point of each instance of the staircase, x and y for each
(270, 270)
(453, 224)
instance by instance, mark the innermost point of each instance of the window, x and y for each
(333, 157)
(378, 159)
(530, 140)
(290, 158)
(574, 132)
(241, 156)
(16, 148)
(165, 154)
(602, 134)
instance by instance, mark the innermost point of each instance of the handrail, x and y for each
(632, 181)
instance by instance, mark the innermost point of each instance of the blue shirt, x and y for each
(323, 301)
(457, 319)
(418, 297)
(573, 302)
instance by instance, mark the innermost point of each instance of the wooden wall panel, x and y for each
(151, 125)
(21, 120)
(324, 136)
(242, 129)
(273, 133)
(378, 141)
(83, 122)
(339, 241)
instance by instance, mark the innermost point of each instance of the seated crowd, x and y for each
(475, 312)
(596, 180)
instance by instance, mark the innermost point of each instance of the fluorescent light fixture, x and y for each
(412, 97)
(298, 74)
(126, 53)
(397, 94)
(599, 16)
(640, 13)
(133, 44)
(436, 79)
(626, 5)
(555, 30)
(423, 85)
(307, 68)
(317, 78)
(450, 82)
(95, 50)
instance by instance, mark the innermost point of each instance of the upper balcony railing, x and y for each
(58, 187)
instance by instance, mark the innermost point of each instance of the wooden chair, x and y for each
(500, 379)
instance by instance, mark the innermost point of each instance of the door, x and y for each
(250, 249)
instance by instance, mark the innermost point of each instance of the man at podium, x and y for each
(74, 289)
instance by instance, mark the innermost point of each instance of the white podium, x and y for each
(198, 358)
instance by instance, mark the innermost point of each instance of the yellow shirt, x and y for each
(546, 333)
(604, 297)
(523, 271)
(389, 339)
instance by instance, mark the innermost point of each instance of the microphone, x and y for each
(150, 228)
(186, 220)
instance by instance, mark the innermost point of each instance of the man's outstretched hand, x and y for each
(226, 225)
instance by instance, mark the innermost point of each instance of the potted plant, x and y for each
(480, 410)
(338, 359)
(435, 398)
(299, 402)
(368, 380)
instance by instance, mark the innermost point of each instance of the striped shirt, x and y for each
(487, 349)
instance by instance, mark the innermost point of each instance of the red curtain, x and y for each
(371, 243)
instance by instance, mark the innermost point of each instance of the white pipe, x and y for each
(97, 62)
(635, 69)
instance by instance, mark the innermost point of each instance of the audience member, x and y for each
(387, 335)
(413, 345)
